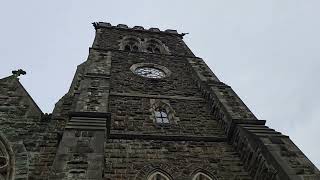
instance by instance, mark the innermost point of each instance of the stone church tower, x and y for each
(142, 107)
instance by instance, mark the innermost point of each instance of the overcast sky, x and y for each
(268, 51)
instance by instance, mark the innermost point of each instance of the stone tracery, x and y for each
(131, 43)
(6, 159)
(149, 45)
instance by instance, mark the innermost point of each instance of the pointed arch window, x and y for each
(202, 176)
(162, 113)
(158, 176)
(131, 44)
(155, 46)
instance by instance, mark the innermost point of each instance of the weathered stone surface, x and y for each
(136, 159)
(107, 125)
(110, 39)
(28, 133)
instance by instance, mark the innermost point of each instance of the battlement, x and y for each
(99, 25)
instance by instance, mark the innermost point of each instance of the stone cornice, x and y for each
(166, 137)
(155, 96)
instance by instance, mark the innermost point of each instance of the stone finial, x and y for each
(19, 72)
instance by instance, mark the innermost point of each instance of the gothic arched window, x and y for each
(162, 113)
(155, 46)
(158, 176)
(201, 176)
(130, 44)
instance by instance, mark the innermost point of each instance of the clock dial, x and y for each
(150, 72)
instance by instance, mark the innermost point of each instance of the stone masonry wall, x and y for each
(266, 153)
(136, 145)
(136, 159)
(110, 39)
(211, 130)
(123, 80)
(133, 115)
(23, 124)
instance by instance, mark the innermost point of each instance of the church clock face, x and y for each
(150, 72)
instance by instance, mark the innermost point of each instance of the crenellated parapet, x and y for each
(99, 25)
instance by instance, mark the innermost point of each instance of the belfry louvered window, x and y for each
(131, 44)
(154, 46)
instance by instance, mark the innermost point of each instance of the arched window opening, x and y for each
(7, 160)
(161, 116)
(158, 176)
(162, 113)
(201, 176)
(155, 46)
(130, 44)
